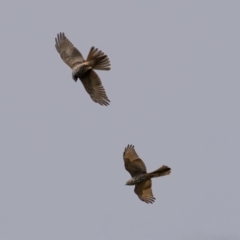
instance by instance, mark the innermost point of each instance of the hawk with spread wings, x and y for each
(140, 178)
(83, 69)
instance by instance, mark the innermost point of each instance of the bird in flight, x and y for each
(84, 69)
(140, 178)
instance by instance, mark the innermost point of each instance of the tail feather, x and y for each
(98, 60)
(162, 171)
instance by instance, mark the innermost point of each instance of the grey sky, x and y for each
(174, 91)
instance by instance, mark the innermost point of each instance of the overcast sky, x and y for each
(174, 90)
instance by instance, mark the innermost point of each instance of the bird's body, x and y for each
(80, 70)
(84, 69)
(140, 178)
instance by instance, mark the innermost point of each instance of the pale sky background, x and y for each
(174, 90)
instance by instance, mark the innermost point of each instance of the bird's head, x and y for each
(75, 77)
(130, 182)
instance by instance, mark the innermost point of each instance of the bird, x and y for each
(140, 178)
(84, 69)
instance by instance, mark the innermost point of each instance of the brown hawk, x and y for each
(83, 69)
(140, 178)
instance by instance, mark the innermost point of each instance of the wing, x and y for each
(69, 54)
(94, 87)
(133, 164)
(144, 191)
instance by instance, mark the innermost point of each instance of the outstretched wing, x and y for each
(94, 87)
(144, 191)
(69, 54)
(133, 164)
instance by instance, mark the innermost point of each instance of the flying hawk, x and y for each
(83, 69)
(140, 178)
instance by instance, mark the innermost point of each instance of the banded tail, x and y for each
(162, 171)
(98, 60)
